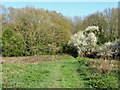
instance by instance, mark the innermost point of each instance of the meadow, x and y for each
(44, 49)
(59, 71)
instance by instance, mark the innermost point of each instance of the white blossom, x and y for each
(94, 29)
(109, 48)
(84, 42)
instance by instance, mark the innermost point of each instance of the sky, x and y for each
(66, 8)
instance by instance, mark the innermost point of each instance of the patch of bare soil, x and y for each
(31, 59)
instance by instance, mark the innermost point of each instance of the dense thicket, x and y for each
(41, 31)
(30, 31)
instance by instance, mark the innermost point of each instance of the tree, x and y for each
(42, 31)
(12, 44)
(107, 22)
(85, 42)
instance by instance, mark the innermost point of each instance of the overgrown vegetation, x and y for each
(99, 73)
(39, 31)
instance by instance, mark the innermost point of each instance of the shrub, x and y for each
(116, 47)
(12, 44)
(84, 41)
(109, 49)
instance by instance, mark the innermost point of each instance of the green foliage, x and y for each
(103, 81)
(94, 77)
(48, 32)
(12, 44)
(24, 76)
(43, 31)
(101, 37)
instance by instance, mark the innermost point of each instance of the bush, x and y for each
(85, 41)
(109, 50)
(12, 44)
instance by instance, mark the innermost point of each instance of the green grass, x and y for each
(96, 77)
(64, 72)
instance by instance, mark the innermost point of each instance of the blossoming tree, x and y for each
(109, 50)
(85, 41)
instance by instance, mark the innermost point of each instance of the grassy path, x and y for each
(64, 74)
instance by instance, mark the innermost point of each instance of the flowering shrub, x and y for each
(94, 29)
(84, 41)
(116, 47)
(109, 49)
(105, 50)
